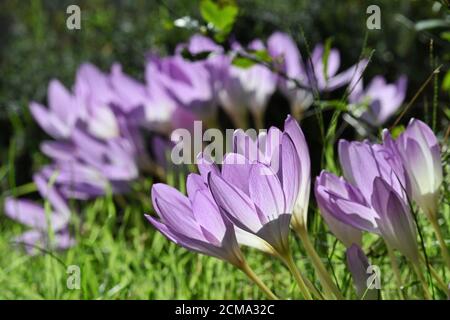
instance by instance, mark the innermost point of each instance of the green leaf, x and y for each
(220, 17)
(431, 24)
(396, 131)
(447, 113)
(446, 35)
(243, 62)
(446, 82)
(262, 55)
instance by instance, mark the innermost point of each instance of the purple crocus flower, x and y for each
(288, 59)
(247, 89)
(90, 103)
(381, 99)
(63, 112)
(194, 222)
(92, 88)
(76, 180)
(375, 199)
(419, 151)
(189, 83)
(311, 74)
(131, 94)
(344, 232)
(325, 76)
(41, 222)
(358, 264)
(255, 199)
(267, 149)
(89, 167)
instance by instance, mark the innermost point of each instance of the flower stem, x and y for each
(251, 274)
(440, 282)
(322, 272)
(258, 117)
(441, 241)
(396, 270)
(426, 292)
(289, 261)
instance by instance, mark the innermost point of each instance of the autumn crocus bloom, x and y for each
(419, 150)
(379, 101)
(376, 200)
(250, 195)
(267, 148)
(324, 75)
(288, 59)
(40, 221)
(246, 89)
(344, 232)
(313, 74)
(194, 222)
(188, 82)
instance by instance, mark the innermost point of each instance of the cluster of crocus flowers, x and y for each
(381, 182)
(261, 190)
(97, 143)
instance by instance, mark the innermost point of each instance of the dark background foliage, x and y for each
(36, 46)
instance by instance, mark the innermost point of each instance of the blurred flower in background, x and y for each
(378, 101)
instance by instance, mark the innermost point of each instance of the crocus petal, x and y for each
(63, 104)
(175, 210)
(292, 128)
(206, 213)
(205, 166)
(26, 212)
(49, 122)
(58, 150)
(30, 240)
(249, 239)
(266, 192)
(246, 144)
(420, 153)
(184, 241)
(395, 222)
(236, 170)
(344, 232)
(290, 172)
(234, 204)
(33, 215)
(345, 203)
(129, 90)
